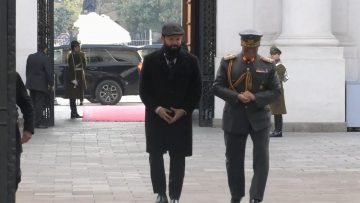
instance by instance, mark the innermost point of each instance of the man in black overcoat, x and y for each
(40, 81)
(23, 101)
(170, 88)
(248, 84)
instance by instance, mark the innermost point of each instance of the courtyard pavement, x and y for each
(94, 162)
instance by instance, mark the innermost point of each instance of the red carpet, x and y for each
(114, 113)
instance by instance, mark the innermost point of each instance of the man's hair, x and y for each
(42, 46)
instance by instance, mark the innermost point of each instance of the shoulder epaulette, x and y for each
(267, 60)
(229, 57)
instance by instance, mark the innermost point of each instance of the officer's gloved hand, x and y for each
(75, 82)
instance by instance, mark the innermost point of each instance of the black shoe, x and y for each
(75, 116)
(235, 200)
(174, 201)
(276, 134)
(161, 198)
(41, 126)
(254, 201)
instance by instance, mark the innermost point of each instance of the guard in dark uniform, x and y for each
(248, 83)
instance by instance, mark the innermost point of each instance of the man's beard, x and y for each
(172, 51)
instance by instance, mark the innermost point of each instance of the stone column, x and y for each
(306, 22)
(315, 92)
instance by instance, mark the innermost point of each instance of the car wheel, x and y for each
(93, 100)
(108, 92)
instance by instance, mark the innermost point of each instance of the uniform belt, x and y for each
(78, 69)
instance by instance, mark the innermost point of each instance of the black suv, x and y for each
(111, 72)
(148, 49)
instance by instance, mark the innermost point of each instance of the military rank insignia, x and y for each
(262, 70)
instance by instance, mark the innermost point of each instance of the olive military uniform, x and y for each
(278, 106)
(76, 81)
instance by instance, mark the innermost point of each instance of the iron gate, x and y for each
(204, 44)
(7, 101)
(46, 36)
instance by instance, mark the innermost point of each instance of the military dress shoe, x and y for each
(174, 201)
(161, 198)
(254, 201)
(75, 116)
(276, 134)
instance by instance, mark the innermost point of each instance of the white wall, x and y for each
(232, 17)
(354, 34)
(26, 33)
(347, 30)
(315, 92)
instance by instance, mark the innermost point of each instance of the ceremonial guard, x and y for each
(278, 107)
(76, 82)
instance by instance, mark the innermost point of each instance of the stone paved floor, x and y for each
(78, 162)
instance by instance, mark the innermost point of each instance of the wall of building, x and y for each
(315, 93)
(26, 33)
(346, 28)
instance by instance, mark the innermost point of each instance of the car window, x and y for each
(60, 56)
(125, 55)
(99, 56)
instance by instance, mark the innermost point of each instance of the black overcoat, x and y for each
(178, 87)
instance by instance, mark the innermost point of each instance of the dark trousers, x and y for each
(17, 157)
(17, 170)
(235, 155)
(176, 176)
(39, 101)
(278, 120)
(73, 107)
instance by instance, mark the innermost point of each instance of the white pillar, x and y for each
(315, 92)
(307, 22)
(26, 33)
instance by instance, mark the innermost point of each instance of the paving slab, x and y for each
(93, 162)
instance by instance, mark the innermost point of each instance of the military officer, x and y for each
(247, 82)
(278, 107)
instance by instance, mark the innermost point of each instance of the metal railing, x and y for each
(139, 42)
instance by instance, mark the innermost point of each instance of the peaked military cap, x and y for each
(172, 29)
(274, 50)
(250, 38)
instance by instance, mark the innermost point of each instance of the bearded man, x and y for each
(170, 88)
